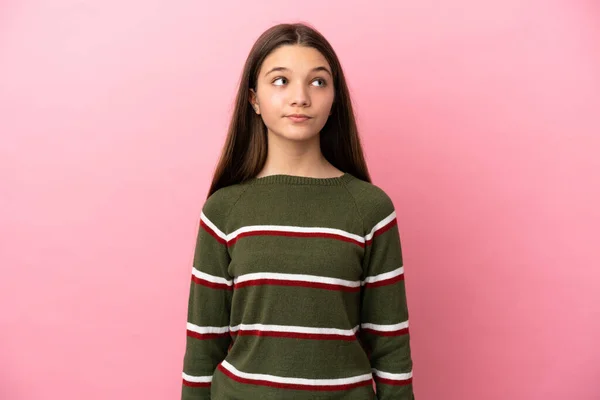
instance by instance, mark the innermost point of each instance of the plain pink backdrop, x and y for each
(479, 118)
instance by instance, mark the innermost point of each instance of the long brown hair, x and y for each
(245, 151)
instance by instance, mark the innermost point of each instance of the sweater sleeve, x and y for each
(384, 311)
(209, 304)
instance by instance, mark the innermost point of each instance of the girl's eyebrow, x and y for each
(320, 68)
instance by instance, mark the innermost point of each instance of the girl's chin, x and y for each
(297, 134)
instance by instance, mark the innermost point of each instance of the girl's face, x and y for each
(294, 80)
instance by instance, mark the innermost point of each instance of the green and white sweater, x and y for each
(298, 292)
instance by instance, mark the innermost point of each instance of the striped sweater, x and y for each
(297, 292)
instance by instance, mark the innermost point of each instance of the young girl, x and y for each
(297, 285)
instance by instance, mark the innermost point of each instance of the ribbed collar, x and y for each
(300, 180)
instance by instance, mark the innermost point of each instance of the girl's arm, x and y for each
(384, 311)
(209, 305)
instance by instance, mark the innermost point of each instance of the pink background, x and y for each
(480, 119)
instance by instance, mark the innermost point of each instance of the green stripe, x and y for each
(210, 256)
(196, 393)
(395, 392)
(384, 254)
(299, 358)
(392, 353)
(224, 388)
(203, 298)
(288, 305)
(200, 355)
(385, 304)
(330, 206)
(297, 255)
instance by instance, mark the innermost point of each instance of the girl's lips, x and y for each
(299, 119)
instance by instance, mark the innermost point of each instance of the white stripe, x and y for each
(207, 329)
(385, 328)
(381, 277)
(292, 228)
(315, 278)
(295, 277)
(380, 225)
(197, 379)
(271, 328)
(210, 278)
(299, 229)
(294, 329)
(396, 377)
(298, 381)
(212, 226)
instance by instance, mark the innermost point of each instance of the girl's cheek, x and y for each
(276, 100)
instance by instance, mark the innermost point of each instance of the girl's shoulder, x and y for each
(219, 203)
(373, 202)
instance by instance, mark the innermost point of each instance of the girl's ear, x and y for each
(253, 101)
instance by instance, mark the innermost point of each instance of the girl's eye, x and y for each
(323, 83)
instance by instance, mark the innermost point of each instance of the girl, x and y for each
(297, 287)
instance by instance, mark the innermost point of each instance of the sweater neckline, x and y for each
(300, 180)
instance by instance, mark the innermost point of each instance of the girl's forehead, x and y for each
(294, 58)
